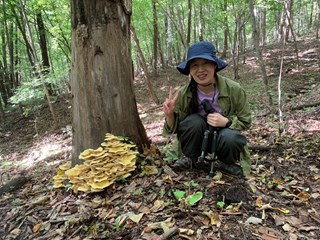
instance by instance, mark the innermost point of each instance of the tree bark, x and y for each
(43, 43)
(101, 75)
(45, 66)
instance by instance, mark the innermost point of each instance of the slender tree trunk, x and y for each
(318, 21)
(2, 114)
(288, 13)
(43, 43)
(244, 45)
(155, 38)
(4, 76)
(101, 75)
(189, 22)
(162, 61)
(281, 126)
(24, 36)
(144, 65)
(258, 49)
(183, 31)
(287, 7)
(202, 26)
(9, 33)
(299, 18)
(45, 66)
(311, 15)
(169, 37)
(225, 31)
(263, 27)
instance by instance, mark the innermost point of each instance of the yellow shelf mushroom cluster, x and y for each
(112, 161)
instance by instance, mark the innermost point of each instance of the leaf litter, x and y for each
(279, 200)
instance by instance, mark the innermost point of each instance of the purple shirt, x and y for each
(212, 97)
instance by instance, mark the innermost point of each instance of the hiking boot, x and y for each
(232, 168)
(184, 163)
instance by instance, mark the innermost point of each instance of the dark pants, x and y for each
(191, 132)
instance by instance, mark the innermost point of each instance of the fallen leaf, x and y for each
(293, 236)
(283, 210)
(287, 227)
(293, 221)
(135, 205)
(135, 217)
(186, 231)
(266, 206)
(165, 225)
(253, 220)
(15, 231)
(37, 227)
(259, 201)
(168, 179)
(149, 170)
(278, 220)
(270, 233)
(158, 206)
(217, 176)
(214, 218)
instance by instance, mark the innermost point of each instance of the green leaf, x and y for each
(194, 198)
(221, 204)
(179, 194)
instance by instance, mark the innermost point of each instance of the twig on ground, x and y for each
(171, 232)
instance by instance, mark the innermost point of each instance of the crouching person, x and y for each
(185, 115)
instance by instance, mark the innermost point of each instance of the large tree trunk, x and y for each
(101, 75)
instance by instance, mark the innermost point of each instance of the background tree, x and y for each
(101, 75)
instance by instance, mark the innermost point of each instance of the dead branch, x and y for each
(14, 184)
(260, 147)
(314, 104)
(171, 232)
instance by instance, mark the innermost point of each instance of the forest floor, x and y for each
(279, 200)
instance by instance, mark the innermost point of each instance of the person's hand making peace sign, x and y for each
(168, 107)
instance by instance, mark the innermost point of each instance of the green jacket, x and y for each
(234, 104)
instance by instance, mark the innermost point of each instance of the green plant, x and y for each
(16, 202)
(189, 200)
(169, 153)
(221, 204)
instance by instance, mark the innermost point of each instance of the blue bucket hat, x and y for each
(204, 50)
